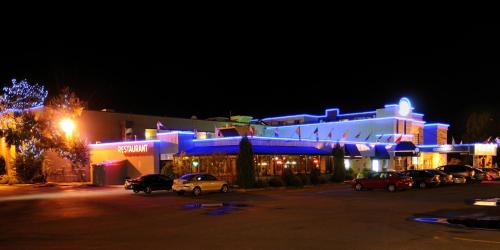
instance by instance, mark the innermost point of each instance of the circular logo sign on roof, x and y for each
(404, 106)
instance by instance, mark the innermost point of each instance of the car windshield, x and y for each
(188, 177)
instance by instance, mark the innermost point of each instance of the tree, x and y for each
(338, 164)
(480, 126)
(245, 165)
(25, 133)
(22, 95)
(66, 105)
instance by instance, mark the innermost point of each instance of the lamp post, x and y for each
(68, 126)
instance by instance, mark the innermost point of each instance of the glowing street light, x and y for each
(67, 126)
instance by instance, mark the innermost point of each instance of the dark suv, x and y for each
(459, 170)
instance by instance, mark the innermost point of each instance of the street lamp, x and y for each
(67, 126)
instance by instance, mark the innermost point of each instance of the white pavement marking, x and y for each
(474, 240)
(63, 194)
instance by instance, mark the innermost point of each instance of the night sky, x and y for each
(446, 70)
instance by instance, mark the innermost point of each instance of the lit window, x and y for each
(375, 165)
(347, 164)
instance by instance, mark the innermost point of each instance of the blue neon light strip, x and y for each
(299, 115)
(360, 120)
(437, 124)
(287, 139)
(408, 135)
(122, 142)
(358, 113)
(176, 132)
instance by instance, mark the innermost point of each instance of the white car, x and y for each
(198, 183)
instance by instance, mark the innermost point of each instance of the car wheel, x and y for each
(135, 191)
(196, 191)
(148, 190)
(391, 188)
(422, 185)
(224, 189)
(180, 193)
(358, 187)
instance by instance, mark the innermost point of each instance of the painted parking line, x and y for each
(474, 240)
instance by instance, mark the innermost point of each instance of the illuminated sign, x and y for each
(404, 106)
(485, 149)
(133, 149)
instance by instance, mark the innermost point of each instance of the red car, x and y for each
(391, 181)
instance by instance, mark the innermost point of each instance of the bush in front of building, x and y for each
(292, 179)
(262, 183)
(304, 178)
(315, 176)
(338, 164)
(244, 164)
(276, 181)
(349, 174)
(28, 168)
(3, 166)
(323, 179)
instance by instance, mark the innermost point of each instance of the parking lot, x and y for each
(323, 217)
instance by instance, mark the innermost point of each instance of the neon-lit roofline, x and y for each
(418, 114)
(176, 132)
(121, 142)
(359, 120)
(299, 115)
(440, 145)
(288, 139)
(437, 124)
(358, 113)
(407, 135)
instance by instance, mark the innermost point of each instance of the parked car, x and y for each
(149, 183)
(491, 173)
(422, 178)
(459, 180)
(479, 174)
(443, 177)
(198, 183)
(392, 181)
(459, 171)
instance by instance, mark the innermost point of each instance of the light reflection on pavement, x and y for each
(70, 193)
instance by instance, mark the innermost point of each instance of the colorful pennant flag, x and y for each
(330, 134)
(346, 133)
(369, 135)
(389, 138)
(297, 131)
(399, 139)
(358, 135)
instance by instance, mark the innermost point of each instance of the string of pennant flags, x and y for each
(298, 133)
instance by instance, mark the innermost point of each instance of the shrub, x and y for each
(304, 178)
(349, 174)
(4, 179)
(338, 165)
(291, 179)
(323, 179)
(315, 174)
(28, 167)
(3, 166)
(261, 183)
(244, 164)
(276, 182)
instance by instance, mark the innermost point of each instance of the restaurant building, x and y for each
(393, 137)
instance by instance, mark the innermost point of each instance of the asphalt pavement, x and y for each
(323, 217)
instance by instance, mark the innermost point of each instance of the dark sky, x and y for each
(447, 69)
